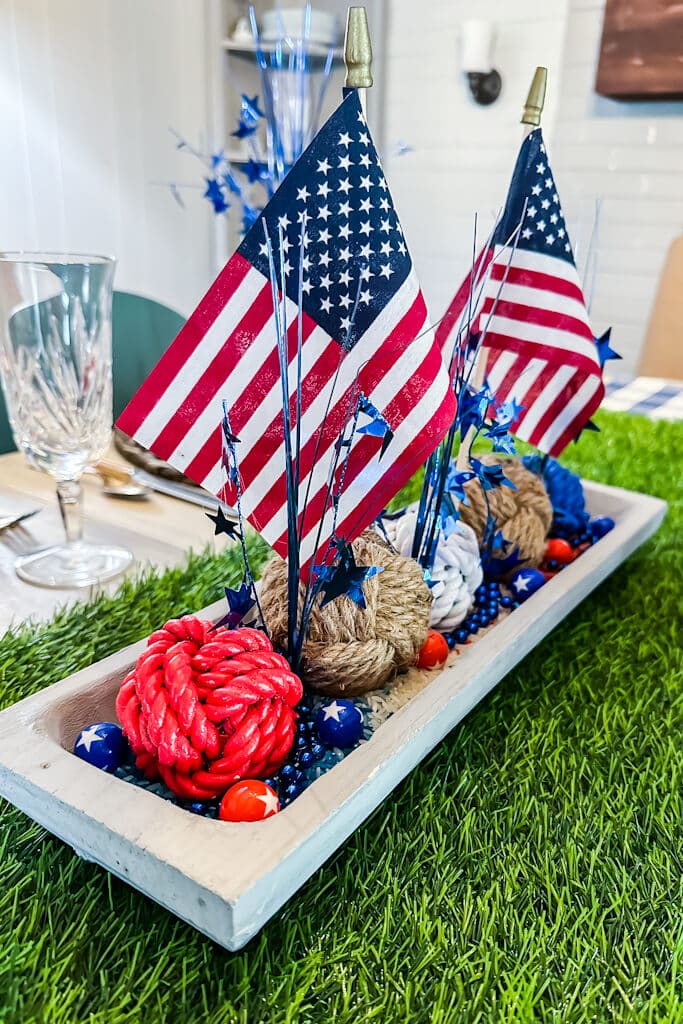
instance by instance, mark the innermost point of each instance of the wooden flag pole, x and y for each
(531, 118)
(358, 53)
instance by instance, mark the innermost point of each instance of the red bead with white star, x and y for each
(249, 800)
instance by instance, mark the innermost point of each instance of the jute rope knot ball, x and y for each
(523, 516)
(349, 649)
(456, 570)
(205, 707)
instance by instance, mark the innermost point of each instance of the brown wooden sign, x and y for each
(641, 54)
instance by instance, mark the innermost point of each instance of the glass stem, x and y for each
(70, 505)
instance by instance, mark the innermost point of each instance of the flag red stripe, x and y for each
(241, 412)
(533, 350)
(462, 297)
(211, 381)
(538, 315)
(368, 379)
(188, 339)
(582, 417)
(536, 279)
(395, 412)
(412, 458)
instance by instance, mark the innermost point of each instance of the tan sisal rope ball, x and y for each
(350, 650)
(523, 516)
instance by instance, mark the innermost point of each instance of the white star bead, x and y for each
(90, 736)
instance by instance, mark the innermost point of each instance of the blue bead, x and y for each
(301, 726)
(462, 635)
(306, 759)
(301, 741)
(600, 526)
(525, 582)
(339, 724)
(287, 771)
(515, 604)
(473, 627)
(484, 621)
(198, 808)
(506, 601)
(291, 791)
(270, 782)
(101, 745)
(318, 751)
(553, 566)
(492, 610)
(450, 640)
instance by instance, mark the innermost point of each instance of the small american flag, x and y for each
(353, 251)
(538, 346)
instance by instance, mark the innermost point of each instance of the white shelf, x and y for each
(315, 52)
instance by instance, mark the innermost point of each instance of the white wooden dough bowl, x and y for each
(226, 879)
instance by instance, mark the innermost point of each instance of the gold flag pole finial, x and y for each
(358, 50)
(533, 108)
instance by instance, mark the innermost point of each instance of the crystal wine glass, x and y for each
(55, 369)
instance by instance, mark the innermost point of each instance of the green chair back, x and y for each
(142, 330)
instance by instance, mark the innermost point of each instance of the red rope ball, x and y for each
(205, 707)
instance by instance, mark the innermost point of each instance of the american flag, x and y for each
(354, 250)
(538, 346)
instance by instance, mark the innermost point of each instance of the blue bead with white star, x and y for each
(101, 745)
(339, 724)
(526, 582)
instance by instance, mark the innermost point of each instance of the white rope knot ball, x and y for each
(456, 573)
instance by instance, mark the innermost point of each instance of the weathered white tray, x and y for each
(228, 879)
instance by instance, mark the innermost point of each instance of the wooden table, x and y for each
(160, 531)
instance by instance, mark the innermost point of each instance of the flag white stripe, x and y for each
(532, 415)
(566, 342)
(540, 263)
(390, 385)
(355, 493)
(211, 344)
(572, 409)
(498, 368)
(537, 298)
(373, 339)
(232, 387)
(271, 405)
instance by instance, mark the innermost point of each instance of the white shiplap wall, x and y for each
(630, 155)
(463, 153)
(88, 90)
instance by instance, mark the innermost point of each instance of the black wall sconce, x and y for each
(477, 42)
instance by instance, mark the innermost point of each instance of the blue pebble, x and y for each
(339, 724)
(525, 582)
(600, 526)
(101, 745)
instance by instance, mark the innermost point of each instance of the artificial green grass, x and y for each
(530, 869)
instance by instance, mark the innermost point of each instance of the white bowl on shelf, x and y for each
(288, 22)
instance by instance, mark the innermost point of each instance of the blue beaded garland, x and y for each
(599, 526)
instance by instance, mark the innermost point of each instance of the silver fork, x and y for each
(13, 520)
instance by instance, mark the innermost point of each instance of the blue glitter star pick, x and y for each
(224, 525)
(239, 602)
(605, 352)
(346, 578)
(214, 193)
